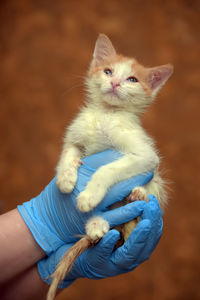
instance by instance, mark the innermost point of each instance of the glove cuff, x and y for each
(46, 238)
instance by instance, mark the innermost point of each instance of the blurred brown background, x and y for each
(44, 47)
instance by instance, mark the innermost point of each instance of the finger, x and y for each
(154, 204)
(150, 245)
(123, 188)
(153, 212)
(105, 247)
(154, 238)
(124, 213)
(126, 257)
(154, 201)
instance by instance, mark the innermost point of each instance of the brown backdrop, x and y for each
(44, 47)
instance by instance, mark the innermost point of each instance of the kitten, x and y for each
(119, 90)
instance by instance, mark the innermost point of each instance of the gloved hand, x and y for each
(102, 260)
(53, 218)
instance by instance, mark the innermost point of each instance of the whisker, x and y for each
(71, 88)
(79, 76)
(82, 84)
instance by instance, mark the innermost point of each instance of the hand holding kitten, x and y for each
(101, 261)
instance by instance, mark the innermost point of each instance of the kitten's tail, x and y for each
(66, 264)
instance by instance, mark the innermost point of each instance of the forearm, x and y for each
(27, 285)
(18, 249)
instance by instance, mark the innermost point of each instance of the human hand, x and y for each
(102, 260)
(53, 217)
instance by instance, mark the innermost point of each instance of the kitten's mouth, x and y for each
(113, 92)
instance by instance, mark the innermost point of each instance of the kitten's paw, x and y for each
(89, 199)
(96, 227)
(85, 201)
(138, 193)
(66, 180)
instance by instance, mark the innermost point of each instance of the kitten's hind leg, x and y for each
(67, 168)
(138, 193)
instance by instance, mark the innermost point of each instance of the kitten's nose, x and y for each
(115, 84)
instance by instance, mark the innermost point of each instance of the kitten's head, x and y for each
(122, 82)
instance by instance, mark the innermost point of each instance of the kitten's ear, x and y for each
(103, 49)
(158, 76)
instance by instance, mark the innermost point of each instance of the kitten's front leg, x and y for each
(105, 177)
(67, 168)
(92, 195)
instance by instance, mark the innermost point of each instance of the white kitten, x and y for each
(119, 89)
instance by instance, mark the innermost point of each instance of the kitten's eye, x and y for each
(108, 71)
(132, 79)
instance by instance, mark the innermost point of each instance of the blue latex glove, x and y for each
(102, 261)
(53, 218)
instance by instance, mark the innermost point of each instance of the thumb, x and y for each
(106, 245)
(123, 188)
